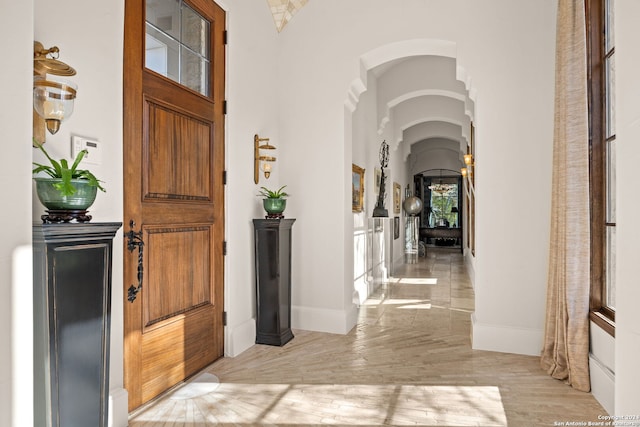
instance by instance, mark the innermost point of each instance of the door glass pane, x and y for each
(611, 181)
(610, 293)
(195, 31)
(610, 101)
(165, 16)
(162, 53)
(195, 71)
(177, 43)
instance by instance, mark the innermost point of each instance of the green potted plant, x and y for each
(274, 202)
(65, 188)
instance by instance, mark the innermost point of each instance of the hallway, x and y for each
(408, 362)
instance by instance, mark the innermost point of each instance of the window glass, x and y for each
(165, 16)
(609, 34)
(177, 43)
(195, 71)
(610, 100)
(609, 158)
(610, 293)
(610, 163)
(195, 32)
(162, 53)
(444, 198)
(601, 63)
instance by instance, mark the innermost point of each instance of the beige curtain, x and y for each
(565, 353)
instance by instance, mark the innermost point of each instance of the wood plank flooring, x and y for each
(408, 362)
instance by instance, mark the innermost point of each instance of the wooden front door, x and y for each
(173, 191)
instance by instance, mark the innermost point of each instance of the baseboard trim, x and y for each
(469, 261)
(505, 339)
(118, 408)
(240, 337)
(324, 320)
(603, 384)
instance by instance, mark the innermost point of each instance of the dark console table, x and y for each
(72, 309)
(273, 280)
(442, 233)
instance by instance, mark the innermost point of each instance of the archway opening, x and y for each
(416, 97)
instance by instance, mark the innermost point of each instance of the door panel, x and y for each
(183, 145)
(178, 349)
(174, 192)
(179, 255)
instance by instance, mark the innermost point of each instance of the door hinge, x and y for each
(224, 318)
(224, 177)
(224, 248)
(225, 37)
(224, 107)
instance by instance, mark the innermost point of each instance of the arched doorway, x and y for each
(416, 97)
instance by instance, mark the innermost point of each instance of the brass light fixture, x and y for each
(468, 159)
(468, 170)
(53, 97)
(261, 162)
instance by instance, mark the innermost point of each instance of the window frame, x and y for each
(600, 313)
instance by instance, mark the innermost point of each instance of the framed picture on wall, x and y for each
(376, 180)
(396, 197)
(396, 227)
(357, 188)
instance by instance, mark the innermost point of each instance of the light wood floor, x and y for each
(408, 362)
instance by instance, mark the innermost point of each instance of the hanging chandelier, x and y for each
(441, 188)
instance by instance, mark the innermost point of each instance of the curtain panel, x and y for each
(565, 353)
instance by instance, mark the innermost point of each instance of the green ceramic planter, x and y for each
(274, 206)
(51, 198)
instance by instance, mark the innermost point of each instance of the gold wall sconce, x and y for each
(53, 97)
(468, 170)
(261, 162)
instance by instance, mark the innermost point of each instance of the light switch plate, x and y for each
(93, 147)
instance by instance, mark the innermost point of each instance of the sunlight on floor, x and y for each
(416, 304)
(421, 306)
(304, 404)
(414, 280)
(200, 385)
(400, 301)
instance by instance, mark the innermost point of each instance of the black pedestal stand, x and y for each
(273, 280)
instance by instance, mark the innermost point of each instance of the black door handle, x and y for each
(134, 240)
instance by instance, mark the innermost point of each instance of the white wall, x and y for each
(97, 57)
(365, 142)
(94, 48)
(363, 138)
(627, 339)
(251, 71)
(507, 49)
(16, 392)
